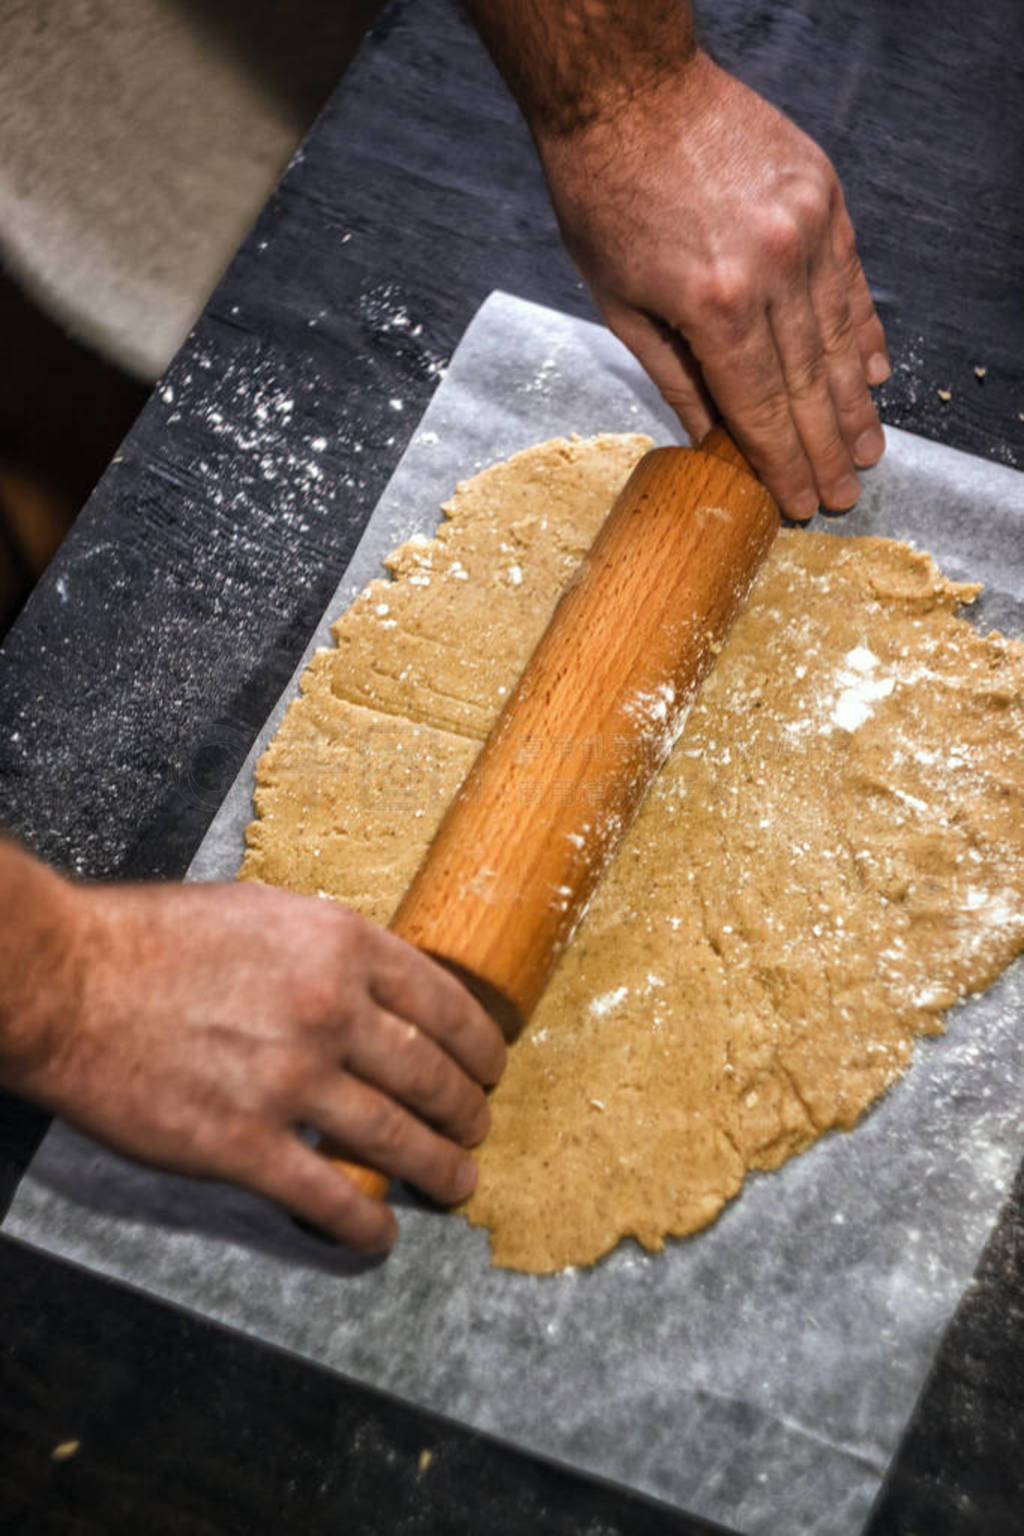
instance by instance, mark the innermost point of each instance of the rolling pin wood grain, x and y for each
(603, 699)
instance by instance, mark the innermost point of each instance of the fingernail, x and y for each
(877, 368)
(845, 491)
(869, 447)
(804, 506)
(465, 1181)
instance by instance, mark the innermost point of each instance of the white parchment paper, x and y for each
(760, 1373)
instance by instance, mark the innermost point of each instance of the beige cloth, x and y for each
(138, 141)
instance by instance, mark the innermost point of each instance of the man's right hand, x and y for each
(715, 239)
(199, 1027)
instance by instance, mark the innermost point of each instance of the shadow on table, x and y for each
(72, 1169)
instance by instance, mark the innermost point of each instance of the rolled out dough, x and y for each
(831, 857)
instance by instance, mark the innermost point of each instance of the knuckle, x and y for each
(393, 969)
(315, 997)
(289, 1078)
(854, 404)
(724, 294)
(429, 1084)
(806, 379)
(782, 238)
(386, 1128)
(678, 397)
(352, 936)
(848, 258)
(812, 203)
(837, 328)
(785, 470)
(767, 419)
(457, 1020)
(240, 1148)
(788, 473)
(825, 444)
(830, 456)
(871, 334)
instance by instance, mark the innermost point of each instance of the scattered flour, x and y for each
(609, 1000)
(859, 688)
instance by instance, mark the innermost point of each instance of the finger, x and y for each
(745, 377)
(391, 1054)
(854, 409)
(314, 1189)
(803, 357)
(374, 1129)
(417, 989)
(868, 327)
(667, 360)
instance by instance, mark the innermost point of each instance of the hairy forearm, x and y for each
(570, 63)
(194, 1027)
(36, 924)
(711, 232)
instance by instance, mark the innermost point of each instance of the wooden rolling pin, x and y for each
(603, 699)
